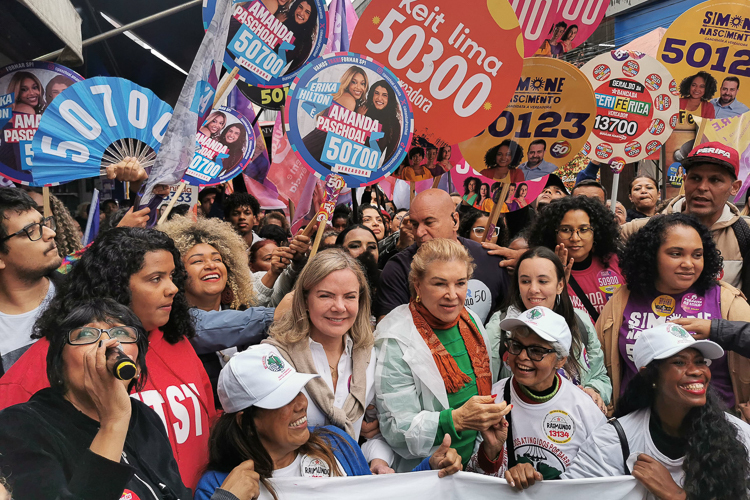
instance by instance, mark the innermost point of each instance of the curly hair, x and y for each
(639, 258)
(187, 233)
(66, 237)
(467, 181)
(606, 229)
(12, 200)
(104, 271)
(711, 438)
(294, 326)
(711, 85)
(491, 155)
(471, 216)
(237, 200)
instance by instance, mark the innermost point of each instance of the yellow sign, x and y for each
(710, 41)
(547, 123)
(663, 305)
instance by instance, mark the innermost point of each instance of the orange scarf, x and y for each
(453, 378)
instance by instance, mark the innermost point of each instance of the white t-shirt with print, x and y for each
(303, 466)
(551, 433)
(601, 455)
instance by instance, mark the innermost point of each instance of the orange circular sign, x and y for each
(458, 62)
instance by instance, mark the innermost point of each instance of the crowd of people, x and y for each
(410, 340)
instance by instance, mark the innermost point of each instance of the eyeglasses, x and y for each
(583, 232)
(90, 335)
(534, 352)
(34, 230)
(479, 231)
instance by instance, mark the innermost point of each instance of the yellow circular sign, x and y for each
(547, 121)
(663, 305)
(712, 37)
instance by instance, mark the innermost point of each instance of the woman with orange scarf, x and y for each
(435, 363)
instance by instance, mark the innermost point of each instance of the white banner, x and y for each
(464, 485)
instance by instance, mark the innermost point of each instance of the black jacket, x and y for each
(44, 454)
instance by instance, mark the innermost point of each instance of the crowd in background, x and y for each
(411, 340)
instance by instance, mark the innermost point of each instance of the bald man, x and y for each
(433, 215)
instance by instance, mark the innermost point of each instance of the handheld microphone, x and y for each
(123, 367)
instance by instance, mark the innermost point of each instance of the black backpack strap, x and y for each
(509, 440)
(582, 297)
(623, 443)
(742, 233)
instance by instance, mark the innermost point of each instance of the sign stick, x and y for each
(412, 191)
(319, 235)
(177, 194)
(495, 214)
(225, 86)
(615, 185)
(436, 181)
(45, 196)
(290, 204)
(283, 124)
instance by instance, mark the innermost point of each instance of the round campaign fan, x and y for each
(96, 123)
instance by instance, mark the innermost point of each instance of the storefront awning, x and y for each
(61, 17)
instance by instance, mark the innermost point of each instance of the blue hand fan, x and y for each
(96, 123)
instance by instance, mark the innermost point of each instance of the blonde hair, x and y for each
(187, 233)
(295, 326)
(438, 250)
(346, 79)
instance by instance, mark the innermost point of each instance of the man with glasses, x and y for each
(28, 256)
(432, 215)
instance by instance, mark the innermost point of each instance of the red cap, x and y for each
(714, 152)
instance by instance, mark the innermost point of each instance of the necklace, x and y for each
(541, 399)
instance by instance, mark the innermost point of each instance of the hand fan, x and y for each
(96, 123)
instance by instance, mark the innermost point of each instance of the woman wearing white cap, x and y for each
(327, 331)
(550, 417)
(265, 431)
(676, 437)
(540, 281)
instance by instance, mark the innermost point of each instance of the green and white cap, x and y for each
(259, 376)
(663, 341)
(544, 322)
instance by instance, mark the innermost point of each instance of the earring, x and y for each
(417, 300)
(557, 300)
(653, 385)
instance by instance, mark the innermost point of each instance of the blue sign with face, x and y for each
(271, 40)
(347, 114)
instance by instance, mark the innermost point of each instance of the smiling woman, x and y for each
(671, 267)
(327, 332)
(435, 367)
(673, 421)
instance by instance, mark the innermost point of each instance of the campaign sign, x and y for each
(536, 18)
(576, 20)
(348, 115)
(270, 41)
(82, 123)
(735, 132)
(483, 193)
(226, 142)
(549, 118)
(635, 107)
(457, 61)
(27, 89)
(713, 38)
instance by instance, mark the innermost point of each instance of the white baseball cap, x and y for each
(261, 377)
(663, 341)
(544, 322)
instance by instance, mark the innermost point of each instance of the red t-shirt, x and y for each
(597, 282)
(177, 389)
